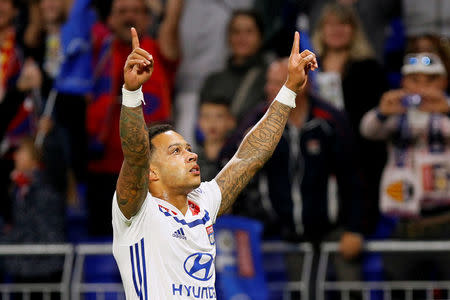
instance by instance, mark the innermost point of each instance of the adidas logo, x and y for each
(179, 234)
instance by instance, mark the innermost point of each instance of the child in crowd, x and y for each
(216, 122)
(38, 196)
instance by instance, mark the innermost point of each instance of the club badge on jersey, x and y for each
(210, 232)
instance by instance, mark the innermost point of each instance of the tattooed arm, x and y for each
(255, 149)
(258, 145)
(132, 185)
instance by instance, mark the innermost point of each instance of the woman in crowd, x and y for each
(241, 83)
(348, 64)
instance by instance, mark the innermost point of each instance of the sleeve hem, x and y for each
(119, 213)
(219, 192)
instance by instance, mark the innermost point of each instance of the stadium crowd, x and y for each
(365, 154)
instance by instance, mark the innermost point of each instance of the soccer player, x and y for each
(162, 215)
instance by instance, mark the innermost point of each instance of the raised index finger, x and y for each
(134, 38)
(296, 45)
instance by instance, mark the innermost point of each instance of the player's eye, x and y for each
(176, 150)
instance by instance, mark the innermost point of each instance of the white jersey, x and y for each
(162, 254)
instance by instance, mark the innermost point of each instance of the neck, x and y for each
(53, 28)
(335, 60)
(339, 52)
(239, 60)
(179, 200)
(212, 148)
(300, 112)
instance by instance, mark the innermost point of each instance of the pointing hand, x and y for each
(299, 66)
(139, 65)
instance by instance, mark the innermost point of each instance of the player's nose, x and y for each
(192, 156)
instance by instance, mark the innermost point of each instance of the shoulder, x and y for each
(216, 76)
(100, 35)
(337, 119)
(152, 46)
(323, 110)
(119, 218)
(208, 196)
(206, 188)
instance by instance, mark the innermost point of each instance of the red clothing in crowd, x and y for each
(18, 118)
(104, 111)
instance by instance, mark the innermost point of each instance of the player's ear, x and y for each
(152, 174)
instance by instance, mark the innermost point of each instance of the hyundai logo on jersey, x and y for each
(198, 266)
(200, 292)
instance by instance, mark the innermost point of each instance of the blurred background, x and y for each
(354, 203)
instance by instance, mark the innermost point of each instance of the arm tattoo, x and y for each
(256, 148)
(132, 185)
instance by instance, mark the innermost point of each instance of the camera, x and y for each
(412, 100)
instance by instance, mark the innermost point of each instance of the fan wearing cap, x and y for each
(423, 87)
(425, 74)
(415, 121)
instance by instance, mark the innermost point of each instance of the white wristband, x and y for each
(132, 98)
(286, 96)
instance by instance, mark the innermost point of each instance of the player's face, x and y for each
(174, 162)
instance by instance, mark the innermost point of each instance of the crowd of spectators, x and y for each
(367, 142)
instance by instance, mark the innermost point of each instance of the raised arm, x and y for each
(168, 37)
(258, 145)
(132, 185)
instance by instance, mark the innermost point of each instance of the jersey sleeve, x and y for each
(121, 223)
(208, 195)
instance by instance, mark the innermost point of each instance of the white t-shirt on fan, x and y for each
(162, 254)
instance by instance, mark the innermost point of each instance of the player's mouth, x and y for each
(195, 170)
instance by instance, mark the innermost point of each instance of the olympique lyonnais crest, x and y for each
(210, 232)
